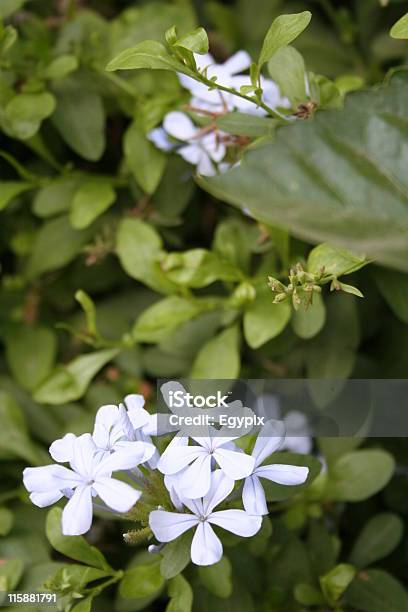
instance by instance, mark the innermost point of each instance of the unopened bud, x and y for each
(281, 297)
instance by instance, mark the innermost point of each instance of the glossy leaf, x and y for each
(30, 353)
(327, 179)
(360, 474)
(219, 357)
(69, 383)
(74, 547)
(282, 32)
(93, 197)
(378, 538)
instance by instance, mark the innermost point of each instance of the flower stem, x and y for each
(234, 92)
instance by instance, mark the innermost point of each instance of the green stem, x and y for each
(234, 92)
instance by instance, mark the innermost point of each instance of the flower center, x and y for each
(202, 519)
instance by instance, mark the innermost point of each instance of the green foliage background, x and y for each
(118, 268)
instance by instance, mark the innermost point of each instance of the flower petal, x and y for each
(205, 167)
(77, 514)
(235, 465)
(269, 440)
(46, 498)
(139, 417)
(105, 421)
(191, 153)
(168, 526)
(283, 474)
(196, 479)
(237, 521)
(178, 456)
(206, 547)
(240, 61)
(160, 139)
(50, 477)
(179, 125)
(116, 494)
(62, 450)
(221, 487)
(85, 449)
(253, 496)
(125, 458)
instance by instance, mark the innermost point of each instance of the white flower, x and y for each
(115, 428)
(195, 462)
(202, 148)
(269, 440)
(298, 434)
(206, 547)
(90, 476)
(212, 99)
(229, 75)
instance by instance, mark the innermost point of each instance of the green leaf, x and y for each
(11, 189)
(93, 197)
(282, 32)
(158, 320)
(381, 534)
(334, 261)
(55, 197)
(176, 556)
(195, 41)
(287, 69)
(264, 320)
(6, 521)
(377, 591)
(14, 438)
(308, 595)
(219, 358)
(338, 286)
(68, 383)
(217, 578)
(7, 7)
(74, 547)
(394, 287)
(245, 124)
(89, 309)
(8, 37)
(11, 571)
(60, 67)
(148, 54)
(30, 353)
(335, 582)
(139, 248)
(359, 475)
(141, 581)
(400, 28)
(332, 353)
(328, 178)
(308, 322)
(25, 112)
(198, 268)
(322, 548)
(80, 118)
(181, 595)
(145, 161)
(85, 605)
(56, 244)
(233, 241)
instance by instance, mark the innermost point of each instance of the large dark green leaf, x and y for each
(377, 591)
(340, 177)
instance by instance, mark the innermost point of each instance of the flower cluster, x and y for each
(205, 147)
(198, 474)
